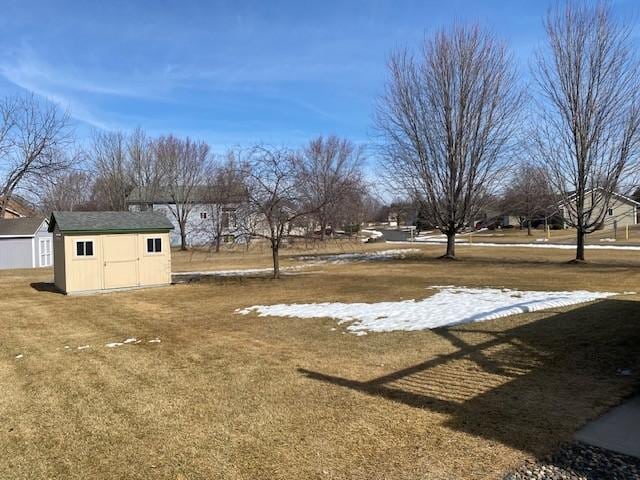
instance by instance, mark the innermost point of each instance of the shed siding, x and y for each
(155, 268)
(59, 265)
(83, 273)
(16, 253)
(43, 234)
(118, 261)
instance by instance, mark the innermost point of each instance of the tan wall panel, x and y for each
(120, 257)
(83, 273)
(118, 261)
(623, 214)
(155, 268)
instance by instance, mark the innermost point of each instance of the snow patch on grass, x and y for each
(561, 246)
(340, 258)
(245, 272)
(449, 306)
(311, 261)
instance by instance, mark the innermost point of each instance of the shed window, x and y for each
(154, 245)
(84, 248)
(610, 211)
(203, 215)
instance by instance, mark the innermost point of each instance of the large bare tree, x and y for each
(332, 168)
(184, 163)
(588, 131)
(446, 121)
(33, 135)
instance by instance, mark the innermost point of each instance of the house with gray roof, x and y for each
(25, 243)
(202, 219)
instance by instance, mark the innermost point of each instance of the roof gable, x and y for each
(624, 198)
(20, 227)
(109, 222)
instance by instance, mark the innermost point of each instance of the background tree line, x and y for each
(456, 125)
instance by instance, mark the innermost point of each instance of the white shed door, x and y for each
(45, 252)
(120, 254)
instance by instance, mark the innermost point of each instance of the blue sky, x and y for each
(233, 73)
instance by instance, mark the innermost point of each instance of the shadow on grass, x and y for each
(529, 387)
(45, 287)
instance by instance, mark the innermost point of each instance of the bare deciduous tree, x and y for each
(589, 127)
(109, 158)
(332, 171)
(529, 195)
(32, 135)
(146, 171)
(67, 191)
(184, 163)
(446, 121)
(224, 196)
(274, 197)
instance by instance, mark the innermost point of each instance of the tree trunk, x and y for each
(580, 246)
(218, 242)
(451, 247)
(276, 261)
(183, 238)
(529, 227)
(323, 230)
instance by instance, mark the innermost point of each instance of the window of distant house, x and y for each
(84, 248)
(610, 211)
(154, 245)
(228, 218)
(203, 215)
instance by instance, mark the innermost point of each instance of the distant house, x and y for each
(200, 221)
(25, 243)
(17, 208)
(622, 211)
(110, 250)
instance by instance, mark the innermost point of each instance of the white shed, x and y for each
(25, 243)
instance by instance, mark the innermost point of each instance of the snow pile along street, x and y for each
(449, 306)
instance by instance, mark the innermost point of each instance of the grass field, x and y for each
(242, 397)
(607, 236)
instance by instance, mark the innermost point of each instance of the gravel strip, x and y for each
(579, 461)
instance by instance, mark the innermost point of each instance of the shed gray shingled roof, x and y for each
(104, 222)
(26, 226)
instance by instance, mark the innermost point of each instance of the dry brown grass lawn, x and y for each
(241, 397)
(599, 237)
